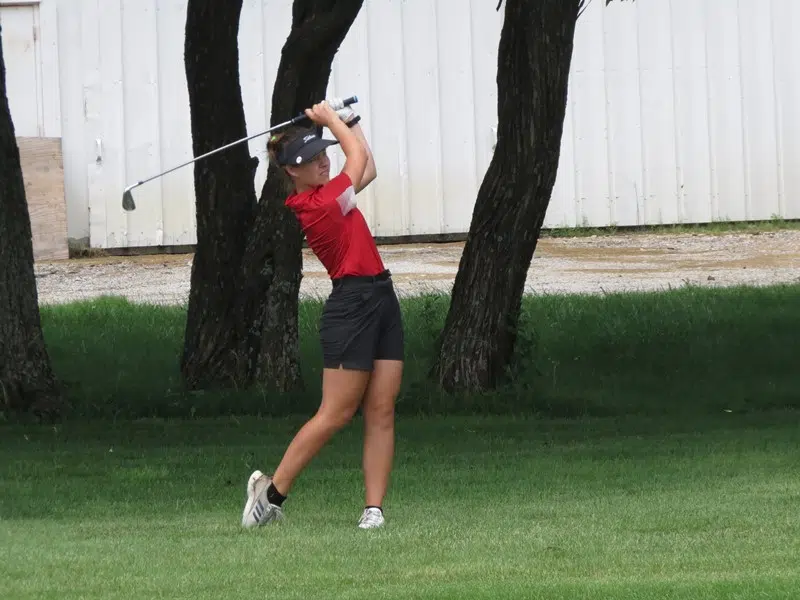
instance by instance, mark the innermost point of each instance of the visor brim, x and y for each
(308, 152)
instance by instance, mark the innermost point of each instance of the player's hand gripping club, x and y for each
(354, 151)
(345, 113)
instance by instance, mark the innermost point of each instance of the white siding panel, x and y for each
(727, 168)
(786, 48)
(388, 109)
(658, 114)
(620, 43)
(588, 84)
(678, 111)
(758, 74)
(94, 130)
(141, 112)
(73, 121)
(691, 110)
(177, 188)
(21, 57)
(456, 89)
(114, 142)
(426, 142)
(49, 69)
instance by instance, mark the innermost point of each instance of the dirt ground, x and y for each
(598, 264)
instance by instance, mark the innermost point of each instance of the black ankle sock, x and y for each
(274, 496)
(378, 507)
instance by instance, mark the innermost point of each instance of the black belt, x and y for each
(383, 276)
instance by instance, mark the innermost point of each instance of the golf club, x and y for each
(127, 197)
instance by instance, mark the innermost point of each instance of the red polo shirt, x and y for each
(336, 230)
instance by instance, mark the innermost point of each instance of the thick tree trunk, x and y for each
(318, 30)
(535, 54)
(243, 307)
(214, 352)
(27, 382)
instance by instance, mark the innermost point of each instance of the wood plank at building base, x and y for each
(43, 173)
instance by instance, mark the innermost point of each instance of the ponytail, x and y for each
(274, 146)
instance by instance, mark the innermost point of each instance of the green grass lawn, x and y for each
(494, 507)
(687, 350)
(658, 458)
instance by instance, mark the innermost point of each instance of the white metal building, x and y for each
(679, 110)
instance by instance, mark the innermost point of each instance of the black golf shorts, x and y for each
(361, 322)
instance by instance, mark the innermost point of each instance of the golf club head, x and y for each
(127, 201)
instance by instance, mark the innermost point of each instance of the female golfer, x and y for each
(361, 328)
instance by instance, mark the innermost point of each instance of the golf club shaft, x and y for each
(295, 120)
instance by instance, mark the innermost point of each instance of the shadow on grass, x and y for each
(685, 351)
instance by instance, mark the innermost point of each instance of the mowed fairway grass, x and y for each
(492, 507)
(647, 447)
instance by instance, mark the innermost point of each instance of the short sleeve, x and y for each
(335, 188)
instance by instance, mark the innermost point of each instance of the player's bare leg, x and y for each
(379, 437)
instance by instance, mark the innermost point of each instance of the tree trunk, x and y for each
(243, 307)
(214, 353)
(318, 30)
(27, 382)
(534, 58)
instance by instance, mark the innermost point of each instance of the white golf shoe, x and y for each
(257, 509)
(371, 518)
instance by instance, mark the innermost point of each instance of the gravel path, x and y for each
(573, 265)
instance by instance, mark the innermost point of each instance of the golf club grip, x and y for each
(345, 101)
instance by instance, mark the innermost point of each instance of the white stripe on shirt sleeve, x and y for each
(347, 201)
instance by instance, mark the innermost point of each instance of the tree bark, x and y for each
(225, 200)
(243, 308)
(318, 30)
(535, 53)
(27, 382)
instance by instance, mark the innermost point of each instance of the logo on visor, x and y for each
(308, 138)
